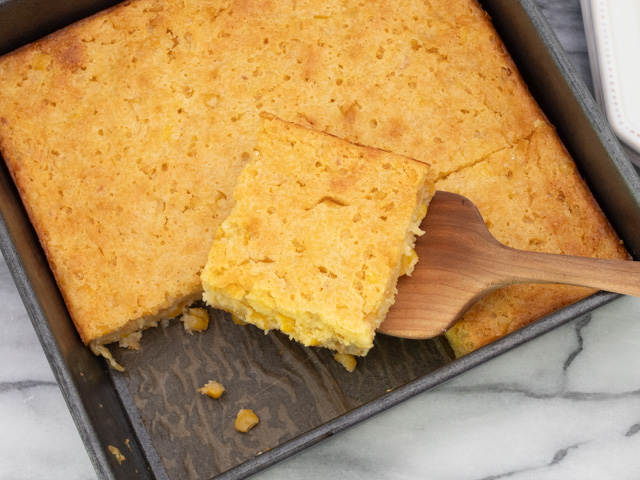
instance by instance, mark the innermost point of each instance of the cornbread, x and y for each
(542, 207)
(349, 362)
(246, 420)
(316, 240)
(212, 389)
(125, 132)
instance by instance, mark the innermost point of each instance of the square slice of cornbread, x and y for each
(319, 234)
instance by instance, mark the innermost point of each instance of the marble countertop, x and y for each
(564, 406)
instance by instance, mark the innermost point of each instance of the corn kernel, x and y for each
(347, 361)
(166, 133)
(371, 278)
(212, 388)
(407, 262)
(246, 420)
(195, 320)
(287, 324)
(40, 61)
(260, 320)
(174, 312)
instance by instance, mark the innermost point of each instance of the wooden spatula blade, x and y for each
(460, 261)
(442, 285)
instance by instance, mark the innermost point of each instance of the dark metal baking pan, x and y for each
(302, 396)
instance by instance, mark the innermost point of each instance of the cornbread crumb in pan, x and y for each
(246, 420)
(315, 242)
(539, 203)
(349, 362)
(212, 389)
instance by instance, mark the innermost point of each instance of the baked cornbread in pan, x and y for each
(319, 234)
(125, 132)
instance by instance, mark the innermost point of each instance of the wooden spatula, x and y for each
(460, 261)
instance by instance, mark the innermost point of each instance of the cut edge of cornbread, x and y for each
(256, 305)
(129, 335)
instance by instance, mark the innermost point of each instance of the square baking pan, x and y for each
(151, 412)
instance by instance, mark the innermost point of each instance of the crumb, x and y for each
(246, 420)
(195, 320)
(347, 361)
(330, 193)
(116, 453)
(131, 340)
(103, 351)
(212, 388)
(127, 443)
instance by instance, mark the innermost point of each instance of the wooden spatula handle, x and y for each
(616, 276)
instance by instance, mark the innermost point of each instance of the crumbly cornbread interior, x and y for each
(319, 234)
(125, 134)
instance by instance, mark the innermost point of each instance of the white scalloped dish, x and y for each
(613, 39)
